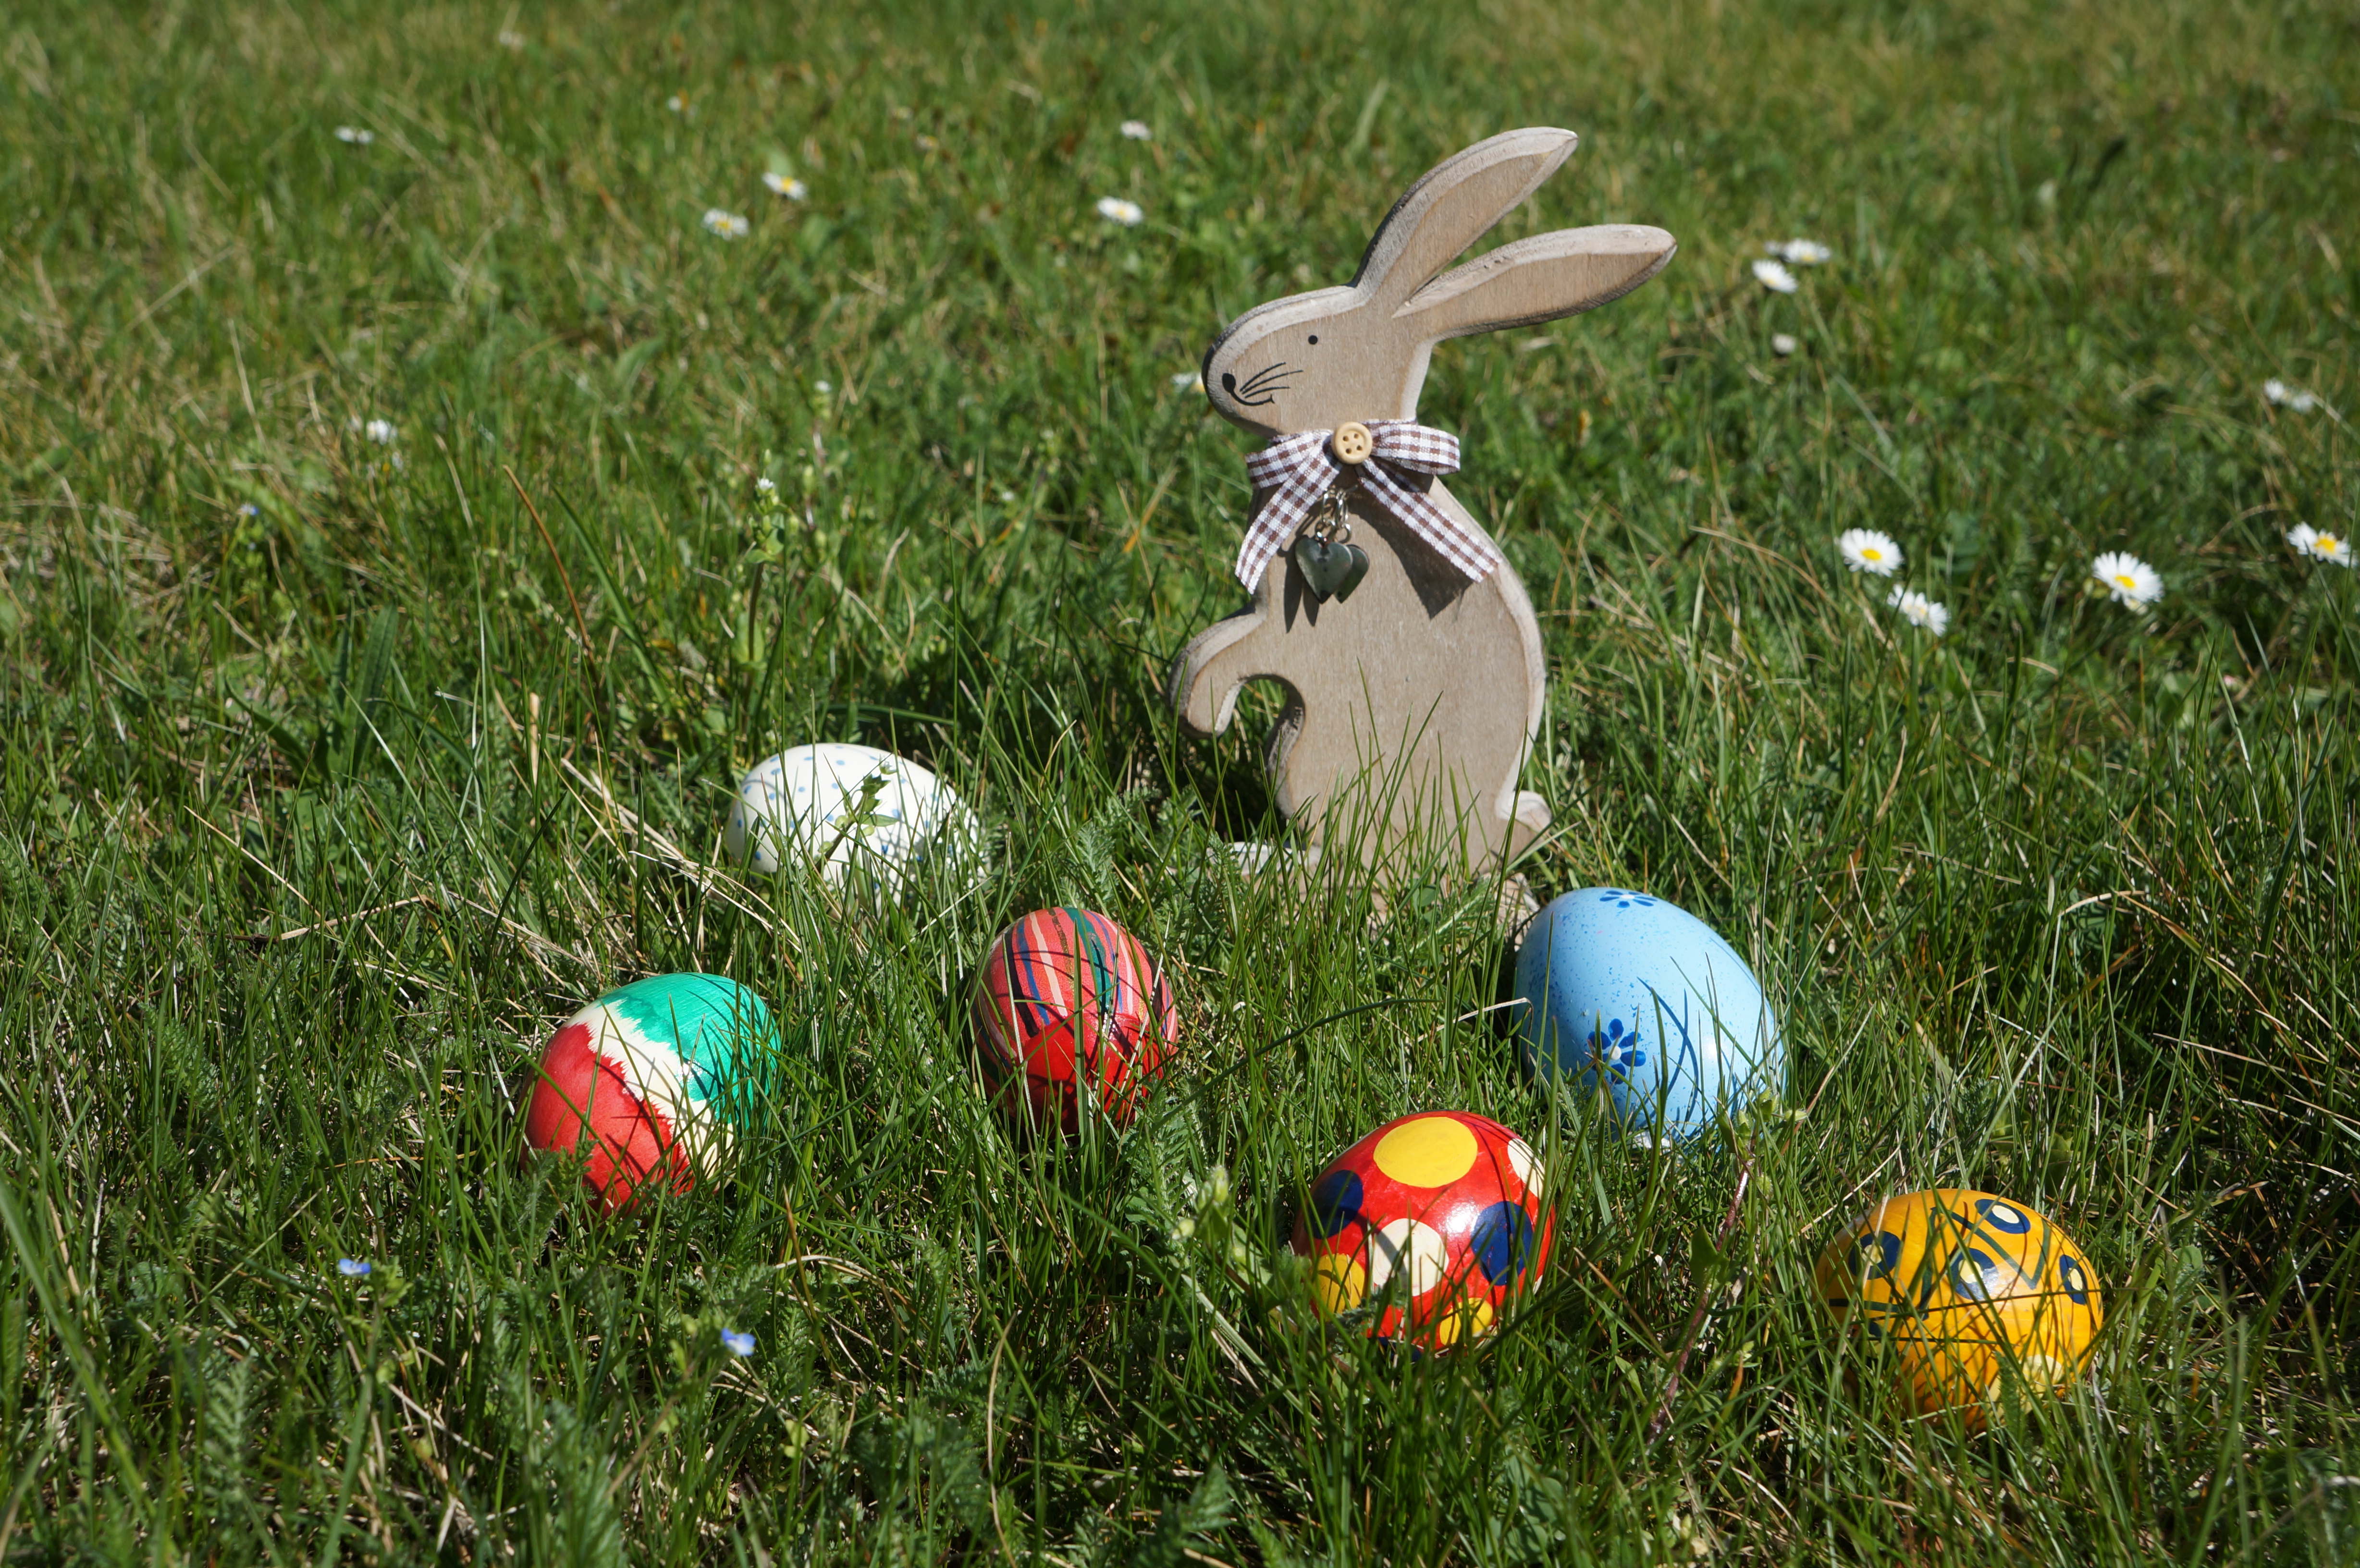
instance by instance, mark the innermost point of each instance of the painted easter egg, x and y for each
(1434, 1219)
(1069, 1010)
(1638, 1002)
(651, 1082)
(844, 806)
(1971, 1291)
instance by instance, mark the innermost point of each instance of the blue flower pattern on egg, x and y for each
(1614, 1052)
(1629, 996)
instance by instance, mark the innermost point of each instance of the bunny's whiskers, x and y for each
(1263, 387)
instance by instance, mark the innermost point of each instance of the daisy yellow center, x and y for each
(2125, 579)
(1870, 552)
(2328, 544)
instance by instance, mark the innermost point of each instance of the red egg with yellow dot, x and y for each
(1436, 1221)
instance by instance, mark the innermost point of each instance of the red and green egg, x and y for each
(650, 1082)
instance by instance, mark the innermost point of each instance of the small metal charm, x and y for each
(1331, 564)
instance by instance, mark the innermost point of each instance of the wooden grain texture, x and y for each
(1414, 703)
(1414, 699)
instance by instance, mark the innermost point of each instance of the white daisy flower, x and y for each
(1784, 342)
(509, 38)
(785, 185)
(1774, 276)
(2299, 399)
(2334, 549)
(823, 387)
(381, 432)
(1115, 209)
(2128, 581)
(354, 134)
(677, 103)
(1189, 380)
(1137, 130)
(1919, 611)
(728, 225)
(765, 483)
(1866, 549)
(1799, 252)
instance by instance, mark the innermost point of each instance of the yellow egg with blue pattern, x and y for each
(1972, 1293)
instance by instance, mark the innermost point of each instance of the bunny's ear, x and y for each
(1538, 279)
(1448, 210)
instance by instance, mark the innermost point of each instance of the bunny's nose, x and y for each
(1230, 382)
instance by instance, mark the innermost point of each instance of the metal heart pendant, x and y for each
(1330, 570)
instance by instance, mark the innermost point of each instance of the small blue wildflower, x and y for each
(739, 1345)
(352, 1268)
(249, 510)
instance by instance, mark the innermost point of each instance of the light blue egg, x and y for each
(1632, 994)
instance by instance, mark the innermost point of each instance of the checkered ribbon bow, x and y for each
(1298, 469)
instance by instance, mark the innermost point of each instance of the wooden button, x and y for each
(1352, 442)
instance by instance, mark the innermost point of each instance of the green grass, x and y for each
(2058, 906)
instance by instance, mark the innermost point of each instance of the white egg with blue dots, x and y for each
(1629, 996)
(804, 806)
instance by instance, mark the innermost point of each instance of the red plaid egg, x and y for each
(1438, 1217)
(1069, 1007)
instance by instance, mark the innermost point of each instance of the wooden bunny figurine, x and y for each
(1408, 643)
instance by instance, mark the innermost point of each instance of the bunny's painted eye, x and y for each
(1315, 337)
